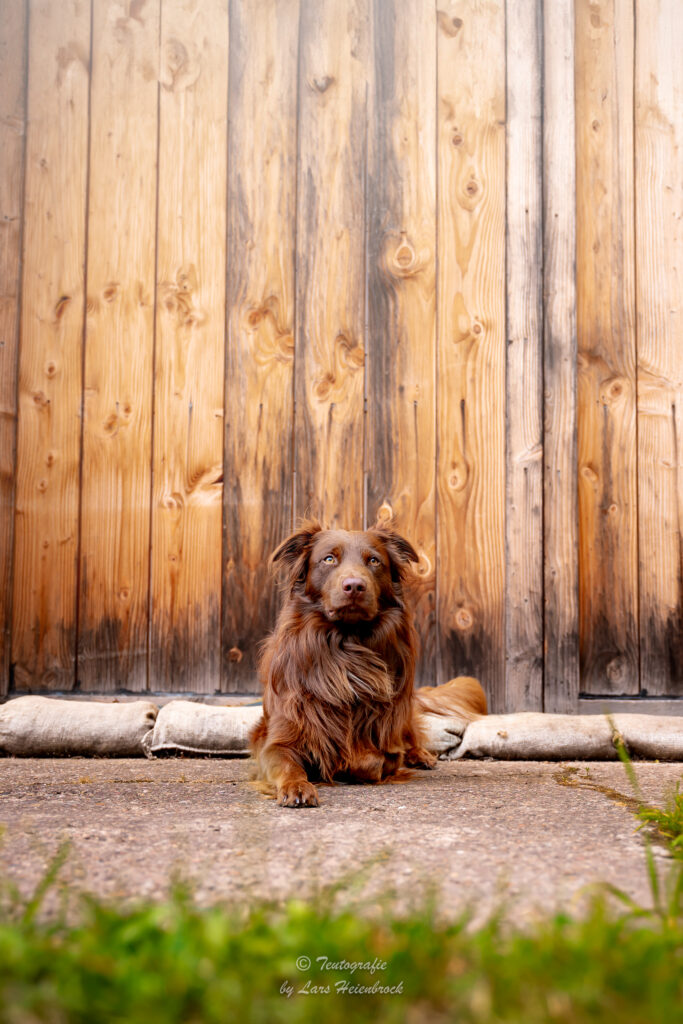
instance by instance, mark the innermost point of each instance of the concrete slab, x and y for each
(532, 835)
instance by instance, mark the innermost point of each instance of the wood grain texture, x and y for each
(190, 348)
(607, 470)
(400, 420)
(49, 435)
(471, 343)
(115, 521)
(524, 369)
(560, 527)
(659, 291)
(330, 254)
(13, 31)
(260, 354)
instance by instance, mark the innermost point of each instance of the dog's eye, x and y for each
(330, 559)
(374, 560)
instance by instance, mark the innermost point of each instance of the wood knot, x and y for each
(42, 485)
(457, 478)
(50, 370)
(235, 655)
(351, 353)
(472, 187)
(457, 138)
(323, 83)
(50, 459)
(110, 291)
(385, 513)
(617, 668)
(448, 25)
(464, 619)
(403, 262)
(588, 473)
(285, 344)
(40, 399)
(325, 385)
(180, 69)
(124, 593)
(612, 390)
(255, 317)
(60, 306)
(595, 125)
(173, 502)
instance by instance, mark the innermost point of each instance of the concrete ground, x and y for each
(530, 834)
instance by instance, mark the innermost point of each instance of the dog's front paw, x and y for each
(418, 757)
(297, 794)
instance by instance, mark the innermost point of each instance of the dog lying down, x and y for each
(338, 671)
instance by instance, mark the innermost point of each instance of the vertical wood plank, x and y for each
(524, 371)
(49, 433)
(607, 471)
(400, 422)
(330, 335)
(560, 528)
(13, 31)
(260, 355)
(659, 290)
(190, 348)
(115, 527)
(471, 342)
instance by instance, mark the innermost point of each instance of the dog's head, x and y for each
(350, 576)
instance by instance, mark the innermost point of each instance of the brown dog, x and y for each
(338, 669)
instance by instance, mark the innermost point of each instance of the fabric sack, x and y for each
(47, 727)
(192, 728)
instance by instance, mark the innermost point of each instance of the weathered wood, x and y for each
(524, 371)
(190, 348)
(115, 526)
(330, 329)
(260, 354)
(638, 706)
(560, 514)
(13, 33)
(471, 343)
(400, 448)
(607, 471)
(659, 294)
(51, 352)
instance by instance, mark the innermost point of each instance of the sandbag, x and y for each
(441, 733)
(656, 737)
(192, 728)
(536, 736)
(47, 727)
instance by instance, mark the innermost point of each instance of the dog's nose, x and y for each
(353, 585)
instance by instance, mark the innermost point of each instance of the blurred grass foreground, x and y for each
(299, 962)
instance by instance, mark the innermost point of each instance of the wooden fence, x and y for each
(266, 257)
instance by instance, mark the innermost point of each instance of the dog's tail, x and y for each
(462, 697)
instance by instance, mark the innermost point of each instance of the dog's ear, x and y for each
(400, 550)
(292, 555)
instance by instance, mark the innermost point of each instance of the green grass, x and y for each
(177, 963)
(667, 821)
(174, 962)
